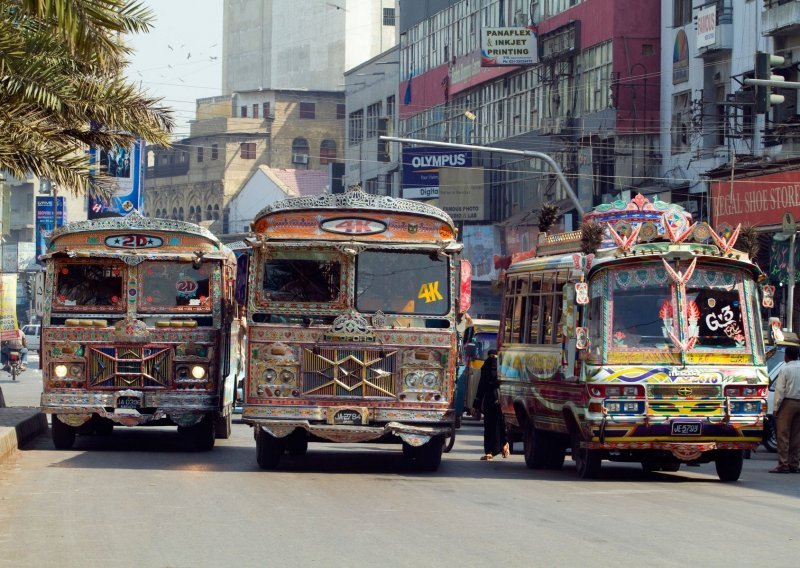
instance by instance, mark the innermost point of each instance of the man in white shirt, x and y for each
(787, 412)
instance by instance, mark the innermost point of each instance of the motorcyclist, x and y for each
(18, 343)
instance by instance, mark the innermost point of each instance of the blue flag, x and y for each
(407, 96)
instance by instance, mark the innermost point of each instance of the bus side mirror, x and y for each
(465, 291)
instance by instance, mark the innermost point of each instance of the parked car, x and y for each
(32, 333)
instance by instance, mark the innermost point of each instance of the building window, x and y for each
(214, 152)
(373, 114)
(388, 17)
(681, 118)
(387, 184)
(371, 186)
(265, 109)
(247, 150)
(209, 215)
(199, 154)
(255, 110)
(308, 110)
(244, 111)
(340, 112)
(356, 127)
(300, 152)
(390, 106)
(681, 12)
(327, 152)
(597, 77)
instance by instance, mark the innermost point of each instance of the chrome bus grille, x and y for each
(130, 367)
(350, 373)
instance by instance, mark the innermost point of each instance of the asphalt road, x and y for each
(142, 498)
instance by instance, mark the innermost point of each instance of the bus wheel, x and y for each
(203, 433)
(297, 443)
(426, 457)
(449, 442)
(556, 452)
(269, 449)
(729, 464)
(587, 462)
(102, 426)
(63, 434)
(224, 426)
(535, 446)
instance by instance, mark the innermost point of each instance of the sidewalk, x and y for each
(20, 418)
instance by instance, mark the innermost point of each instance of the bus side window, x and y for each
(508, 312)
(595, 317)
(534, 315)
(561, 280)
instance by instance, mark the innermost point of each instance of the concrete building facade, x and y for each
(303, 44)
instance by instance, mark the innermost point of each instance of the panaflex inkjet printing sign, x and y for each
(421, 169)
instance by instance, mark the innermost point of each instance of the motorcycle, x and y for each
(14, 364)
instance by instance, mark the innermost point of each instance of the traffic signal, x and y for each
(763, 70)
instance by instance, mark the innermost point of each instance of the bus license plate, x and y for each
(129, 402)
(686, 428)
(347, 416)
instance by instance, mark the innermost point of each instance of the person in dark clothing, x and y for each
(487, 400)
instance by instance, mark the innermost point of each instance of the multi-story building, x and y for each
(283, 104)
(591, 101)
(371, 103)
(234, 135)
(270, 44)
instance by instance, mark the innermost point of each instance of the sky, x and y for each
(180, 60)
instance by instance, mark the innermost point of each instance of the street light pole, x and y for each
(790, 291)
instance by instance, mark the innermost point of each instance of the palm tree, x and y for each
(62, 89)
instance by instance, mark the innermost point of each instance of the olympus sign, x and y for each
(443, 160)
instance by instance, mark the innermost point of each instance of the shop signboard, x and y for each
(758, 200)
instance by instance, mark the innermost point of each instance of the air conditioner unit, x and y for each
(299, 158)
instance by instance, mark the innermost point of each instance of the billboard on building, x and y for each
(481, 243)
(508, 46)
(46, 220)
(462, 194)
(757, 200)
(707, 26)
(421, 169)
(680, 58)
(8, 306)
(125, 166)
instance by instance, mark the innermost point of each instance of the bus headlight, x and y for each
(60, 371)
(270, 375)
(287, 376)
(412, 380)
(429, 380)
(198, 371)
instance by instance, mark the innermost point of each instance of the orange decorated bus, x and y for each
(352, 307)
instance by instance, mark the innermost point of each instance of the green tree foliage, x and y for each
(62, 88)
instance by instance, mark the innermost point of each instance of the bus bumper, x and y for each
(320, 423)
(184, 409)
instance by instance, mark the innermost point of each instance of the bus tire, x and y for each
(449, 442)
(203, 434)
(63, 434)
(102, 426)
(729, 464)
(587, 462)
(224, 426)
(269, 449)
(297, 443)
(426, 457)
(535, 446)
(556, 452)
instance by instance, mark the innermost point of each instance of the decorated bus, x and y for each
(637, 338)
(352, 307)
(137, 329)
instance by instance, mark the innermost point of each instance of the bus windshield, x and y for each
(175, 286)
(302, 277)
(644, 309)
(402, 282)
(93, 287)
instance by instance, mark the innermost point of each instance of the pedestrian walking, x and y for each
(487, 400)
(787, 413)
